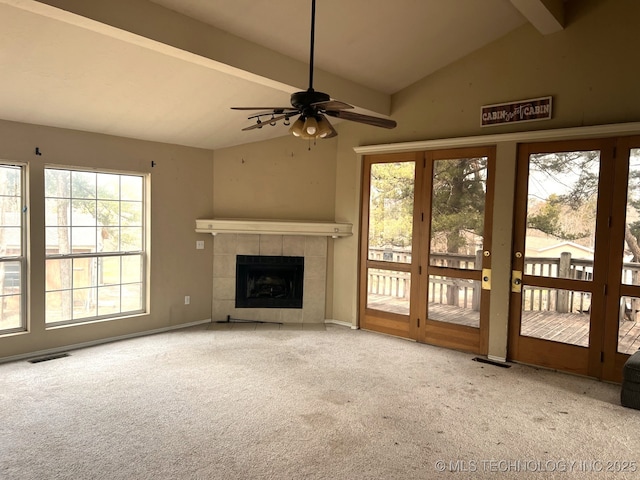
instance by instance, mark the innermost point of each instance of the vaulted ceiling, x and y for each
(169, 70)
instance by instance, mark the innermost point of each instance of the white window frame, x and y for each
(98, 256)
(21, 258)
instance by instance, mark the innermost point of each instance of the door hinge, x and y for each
(601, 357)
(604, 289)
(419, 269)
(424, 163)
(422, 217)
(418, 323)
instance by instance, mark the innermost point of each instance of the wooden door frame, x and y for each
(458, 337)
(567, 357)
(613, 360)
(378, 320)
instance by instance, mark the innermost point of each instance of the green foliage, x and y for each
(458, 201)
(391, 204)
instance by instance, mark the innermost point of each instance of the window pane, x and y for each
(85, 212)
(628, 328)
(11, 312)
(391, 211)
(57, 211)
(110, 237)
(388, 290)
(132, 269)
(454, 300)
(108, 300)
(57, 183)
(132, 297)
(561, 214)
(10, 276)
(631, 266)
(131, 214)
(83, 185)
(131, 239)
(84, 303)
(109, 271)
(108, 186)
(557, 315)
(457, 218)
(131, 188)
(11, 248)
(83, 272)
(58, 306)
(108, 213)
(57, 239)
(10, 208)
(58, 274)
(11, 238)
(83, 239)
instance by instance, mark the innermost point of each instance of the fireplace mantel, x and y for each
(273, 227)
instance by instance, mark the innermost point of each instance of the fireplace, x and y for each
(264, 281)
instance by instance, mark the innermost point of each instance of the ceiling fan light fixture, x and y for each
(311, 126)
(297, 128)
(324, 128)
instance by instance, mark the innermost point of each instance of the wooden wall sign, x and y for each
(530, 110)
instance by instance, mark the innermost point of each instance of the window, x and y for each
(95, 240)
(12, 258)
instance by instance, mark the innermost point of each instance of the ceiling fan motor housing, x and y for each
(303, 100)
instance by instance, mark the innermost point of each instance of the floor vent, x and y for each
(491, 362)
(46, 358)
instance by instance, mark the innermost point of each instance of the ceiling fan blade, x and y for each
(271, 109)
(331, 105)
(359, 117)
(270, 121)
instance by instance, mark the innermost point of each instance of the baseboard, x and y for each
(92, 343)
(341, 323)
(497, 359)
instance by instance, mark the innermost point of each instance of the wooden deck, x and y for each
(572, 328)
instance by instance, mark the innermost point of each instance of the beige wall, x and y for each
(180, 193)
(285, 178)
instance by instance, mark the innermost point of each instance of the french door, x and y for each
(576, 271)
(425, 269)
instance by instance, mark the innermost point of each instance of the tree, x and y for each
(391, 204)
(458, 201)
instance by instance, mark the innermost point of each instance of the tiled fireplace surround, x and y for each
(314, 250)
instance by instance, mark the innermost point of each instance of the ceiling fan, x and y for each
(312, 106)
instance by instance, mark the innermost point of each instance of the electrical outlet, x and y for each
(187, 299)
(200, 244)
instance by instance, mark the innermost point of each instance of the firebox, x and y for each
(264, 281)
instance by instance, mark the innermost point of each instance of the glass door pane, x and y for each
(457, 212)
(391, 200)
(562, 196)
(629, 313)
(561, 214)
(458, 198)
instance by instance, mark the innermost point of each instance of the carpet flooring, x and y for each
(334, 403)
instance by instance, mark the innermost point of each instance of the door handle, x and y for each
(516, 281)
